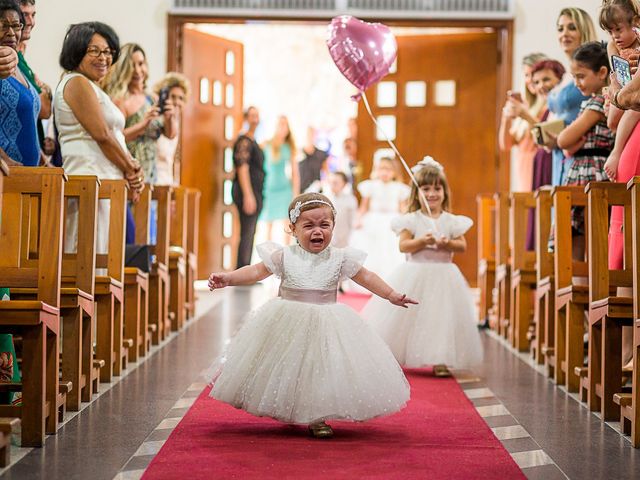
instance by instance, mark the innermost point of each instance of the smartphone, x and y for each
(162, 99)
(622, 69)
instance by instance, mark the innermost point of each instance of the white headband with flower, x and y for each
(427, 161)
(294, 213)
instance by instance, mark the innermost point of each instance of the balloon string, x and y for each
(421, 196)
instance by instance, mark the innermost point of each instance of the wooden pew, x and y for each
(608, 312)
(544, 306)
(503, 264)
(109, 288)
(486, 256)
(159, 274)
(136, 285)
(523, 274)
(77, 291)
(630, 402)
(193, 212)
(178, 258)
(31, 256)
(572, 291)
(8, 425)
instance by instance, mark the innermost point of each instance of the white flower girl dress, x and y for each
(302, 357)
(442, 329)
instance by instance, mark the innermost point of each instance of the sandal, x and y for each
(320, 430)
(441, 371)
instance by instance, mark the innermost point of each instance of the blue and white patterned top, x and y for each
(19, 109)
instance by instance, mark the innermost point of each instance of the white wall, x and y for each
(144, 22)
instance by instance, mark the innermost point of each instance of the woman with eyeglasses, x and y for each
(19, 101)
(90, 127)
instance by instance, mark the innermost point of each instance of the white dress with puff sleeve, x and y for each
(442, 329)
(301, 357)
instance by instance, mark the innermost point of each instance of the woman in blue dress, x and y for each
(574, 27)
(279, 188)
(19, 101)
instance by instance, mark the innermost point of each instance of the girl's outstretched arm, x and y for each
(376, 285)
(579, 128)
(247, 275)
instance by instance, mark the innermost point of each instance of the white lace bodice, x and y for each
(298, 268)
(418, 224)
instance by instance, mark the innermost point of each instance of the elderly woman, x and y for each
(19, 101)
(90, 126)
(177, 87)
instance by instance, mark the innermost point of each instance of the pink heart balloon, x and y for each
(363, 52)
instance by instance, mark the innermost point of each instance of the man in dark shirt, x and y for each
(313, 163)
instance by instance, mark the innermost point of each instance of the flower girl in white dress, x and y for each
(301, 357)
(442, 330)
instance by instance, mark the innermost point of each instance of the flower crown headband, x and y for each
(294, 213)
(427, 161)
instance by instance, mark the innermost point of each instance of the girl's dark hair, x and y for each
(614, 12)
(77, 39)
(429, 176)
(592, 55)
(8, 5)
(555, 66)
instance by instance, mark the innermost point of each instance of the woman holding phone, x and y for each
(518, 115)
(126, 84)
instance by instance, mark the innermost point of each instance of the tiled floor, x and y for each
(548, 434)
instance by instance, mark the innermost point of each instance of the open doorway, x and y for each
(441, 99)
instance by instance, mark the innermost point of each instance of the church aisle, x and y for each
(526, 412)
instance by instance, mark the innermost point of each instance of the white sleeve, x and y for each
(403, 222)
(352, 262)
(366, 188)
(272, 255)
(459, 225)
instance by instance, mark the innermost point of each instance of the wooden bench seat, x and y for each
(608, 313)
(193, 229)
(486, 256)
(31, 257)
(503, 264)
(8, 425)
(571, 289)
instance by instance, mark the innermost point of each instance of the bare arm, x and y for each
(247, 275)
(170, 127)
(458, 244)
(574, 132)
(409, 244)
(614, 116)
(80, 96)
(376, 285)
(505, 139)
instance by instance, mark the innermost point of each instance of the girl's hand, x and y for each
(400, 300)
(218, 280)
(442, 243)
(611, 165)
(429, 240)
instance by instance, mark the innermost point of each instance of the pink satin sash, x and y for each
(306, 295)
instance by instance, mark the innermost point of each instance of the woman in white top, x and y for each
(89, 125)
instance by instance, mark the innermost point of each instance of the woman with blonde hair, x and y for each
(176, 87)
(126, 84)
(574, 27)
(279, 189)
(518, 116)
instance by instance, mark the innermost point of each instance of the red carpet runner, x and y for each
(439, 435)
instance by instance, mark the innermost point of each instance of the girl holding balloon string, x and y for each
(442, 330)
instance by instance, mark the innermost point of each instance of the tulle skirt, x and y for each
(442, 329)
(303, 363)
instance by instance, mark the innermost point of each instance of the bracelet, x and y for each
(614, 100)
